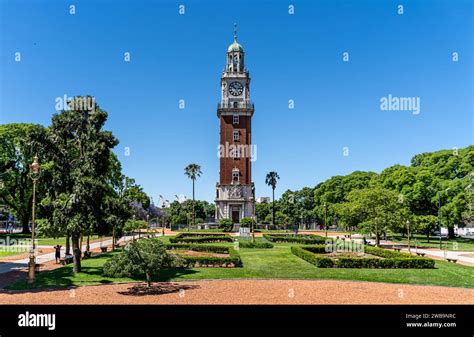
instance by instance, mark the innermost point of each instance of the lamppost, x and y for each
(34, 175)
(408, 231)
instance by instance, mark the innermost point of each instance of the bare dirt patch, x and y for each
(204, 254)
(247, 292)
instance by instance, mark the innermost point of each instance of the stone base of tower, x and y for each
(235, 202)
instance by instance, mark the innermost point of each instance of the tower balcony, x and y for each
(235, 107)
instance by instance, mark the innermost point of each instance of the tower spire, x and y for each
(235, 31)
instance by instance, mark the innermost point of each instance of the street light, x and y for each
(35, 169)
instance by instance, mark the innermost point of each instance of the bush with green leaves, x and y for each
(133, 225)
(142, 257)
(302, 239)
(226, 224)
(248, 222)
(254, 244)
(390, 260)
(233, 260)
(200, 238)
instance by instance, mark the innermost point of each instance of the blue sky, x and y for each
(298, 57)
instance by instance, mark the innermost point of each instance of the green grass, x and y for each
(275, 263)
(43, 241)
(460, 244)
(4, 253)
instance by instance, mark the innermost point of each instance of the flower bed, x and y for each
(200, 238)
(318, 256)
(233, 260)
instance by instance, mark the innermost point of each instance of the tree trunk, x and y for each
(113, 238)
(24, 224)
(450, 232)
(68, 244)
(88, 243)
(273, 207)
(377, 238)
(80, 243)
(75, 237)
(148, 279)
(194, 214)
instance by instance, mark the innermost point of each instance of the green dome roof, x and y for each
(235, 47)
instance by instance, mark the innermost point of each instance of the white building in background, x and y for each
(263, 200)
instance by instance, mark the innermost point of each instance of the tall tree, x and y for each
(193, 171)
(19, 143)
(271, 180)
(377, 210)
(80, 140)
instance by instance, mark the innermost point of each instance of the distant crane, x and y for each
(181, 198)
(164, 202)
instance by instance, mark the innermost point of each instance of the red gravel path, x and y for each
(247, 292)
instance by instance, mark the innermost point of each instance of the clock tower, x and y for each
(235, 191)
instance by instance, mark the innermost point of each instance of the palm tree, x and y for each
(271, 180)
(193, 171)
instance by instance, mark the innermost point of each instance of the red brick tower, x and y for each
(235, 193)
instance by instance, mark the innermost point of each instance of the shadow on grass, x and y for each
(64, 277)
(156, 289)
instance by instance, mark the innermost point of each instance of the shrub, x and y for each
(199, 248)
(226, 224)
(315, 255)
(200, 238)
(145, 256)
(247, 222)
(133, 225)
(255, 244)
(302, 239)
(318, 260)
(198, 261)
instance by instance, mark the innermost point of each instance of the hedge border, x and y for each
(306, 239)
(255, 244)
(233, 260)
(200, 238)
(391, 260)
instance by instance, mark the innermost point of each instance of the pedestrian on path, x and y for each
(57, 249)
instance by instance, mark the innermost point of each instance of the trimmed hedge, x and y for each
(233, 260)
(302, 239)
(194, 235)
(318, 260)
(199, 248)
(200, 238)
(255, 244)
(390, 260)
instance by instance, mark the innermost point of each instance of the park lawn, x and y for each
(463, 244)
(64, 276)
(6, 253)
(274, 263)
(43, 241)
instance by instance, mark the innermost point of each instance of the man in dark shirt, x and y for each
(57, 249)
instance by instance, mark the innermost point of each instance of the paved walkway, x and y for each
(23, 263)
(465, 257)
(461, 256)
(19, 264)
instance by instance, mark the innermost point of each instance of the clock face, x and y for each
(236, 88)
